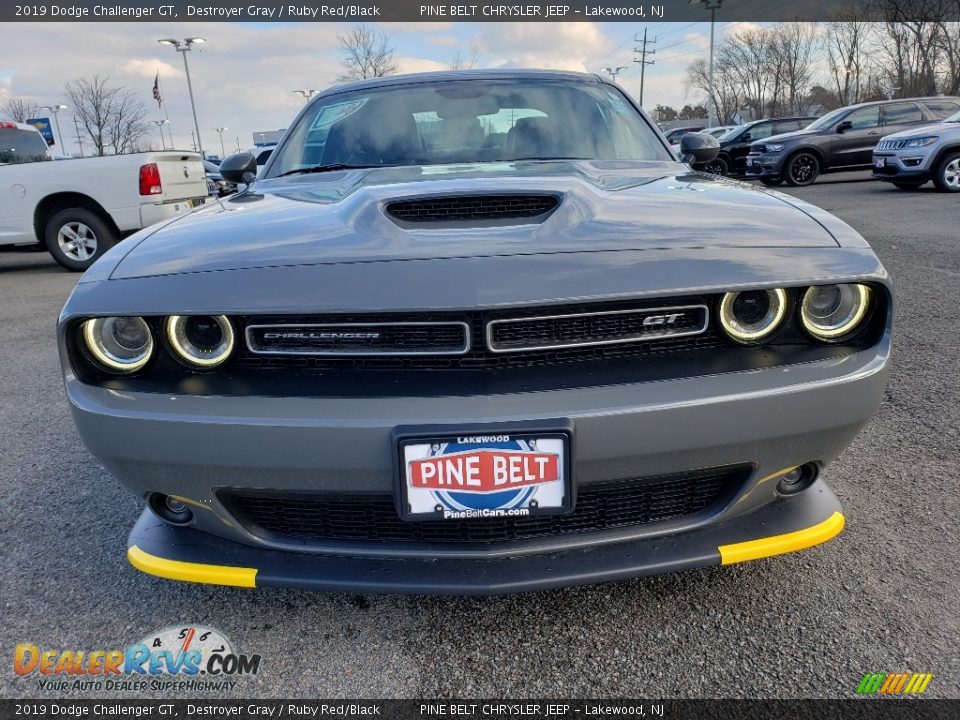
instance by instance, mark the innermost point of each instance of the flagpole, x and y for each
(165, 112)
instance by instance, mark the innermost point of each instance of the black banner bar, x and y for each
(633, 11)
(874, 708)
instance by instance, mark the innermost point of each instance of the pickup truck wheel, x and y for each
(76, 237)
(771, 181)
(947, 175)
(802, 169)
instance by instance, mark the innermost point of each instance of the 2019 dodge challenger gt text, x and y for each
(477, 332)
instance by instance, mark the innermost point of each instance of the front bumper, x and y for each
(195, 447)
(907, 165)
(766, 165)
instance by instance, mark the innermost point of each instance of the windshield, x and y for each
(953, 118)
(22, 146)
(827, 120)
(732, 133)
(466, 121)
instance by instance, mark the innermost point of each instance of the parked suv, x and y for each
(841, 140)
(932, 152)
(735, 143)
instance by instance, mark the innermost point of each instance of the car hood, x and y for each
(339, 217)
(924, 130)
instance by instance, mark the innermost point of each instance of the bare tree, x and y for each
(459, 62)
(793, 50)
(727, 95)
(111, 117)
(846, 40)
(367, 53)
(19, 109)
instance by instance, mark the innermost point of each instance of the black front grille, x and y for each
(403, 338)
(472, 207)
(479, 357)
(600, 506)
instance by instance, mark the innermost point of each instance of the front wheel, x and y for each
(802, 169)
(947, 175)
(771, 181)
(76, 237)
(717, 166)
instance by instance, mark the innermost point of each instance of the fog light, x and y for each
(170, 509)
(798, 479)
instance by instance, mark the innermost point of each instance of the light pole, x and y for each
(712, 6)
(184, 47)
(306, 94)
(614, 71)
(55, 109)
(223, 152)
(160, 124)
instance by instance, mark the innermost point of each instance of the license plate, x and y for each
(879, 162)
(484, 476)
(749, 162)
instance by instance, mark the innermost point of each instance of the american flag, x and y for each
(156, 90)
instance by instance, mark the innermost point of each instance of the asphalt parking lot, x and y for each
(882, 597)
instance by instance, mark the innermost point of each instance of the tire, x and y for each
(947, 175)
(907, 185)
(717, 166)
(801, 169)
(771, 181)
(76, 237)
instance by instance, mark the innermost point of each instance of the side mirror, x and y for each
(746, 137)
(240, 168)
(844, 126)
(698, 148)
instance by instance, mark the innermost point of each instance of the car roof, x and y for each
(927, 98)
(447, 75)
(20, 125)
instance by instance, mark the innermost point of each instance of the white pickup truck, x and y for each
(80, 208)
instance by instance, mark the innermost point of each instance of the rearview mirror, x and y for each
(844, 126)
(698, 148)
(240, 168)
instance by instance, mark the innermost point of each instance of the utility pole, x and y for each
(76, 127)
(614, 71)
(643, 51)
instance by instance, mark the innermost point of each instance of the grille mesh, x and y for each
(600, 506)
(472, 207)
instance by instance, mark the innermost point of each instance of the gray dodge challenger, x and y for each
(477, 332)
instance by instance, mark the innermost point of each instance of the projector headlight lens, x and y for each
(200, 341)
(754, 315)
(830, 312)
(121, 345)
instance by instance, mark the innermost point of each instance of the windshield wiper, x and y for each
(329, 167)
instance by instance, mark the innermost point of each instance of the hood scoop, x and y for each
(472, 210)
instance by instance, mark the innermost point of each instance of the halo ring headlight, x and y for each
(200, 341)
(831, 312)
(120, 345)
(753, 315)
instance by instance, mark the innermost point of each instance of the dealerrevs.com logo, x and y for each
(186, 658)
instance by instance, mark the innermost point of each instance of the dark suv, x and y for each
(841, 140)
(735, 145)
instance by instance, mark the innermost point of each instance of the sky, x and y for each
(245, 74)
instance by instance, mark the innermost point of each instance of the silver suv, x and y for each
(909, 159)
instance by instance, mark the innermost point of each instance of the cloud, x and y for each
(149, 68)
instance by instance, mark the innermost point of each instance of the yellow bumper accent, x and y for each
(780, 544)
(191, 572)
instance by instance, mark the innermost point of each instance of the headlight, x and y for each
(829, 312)
(754, 315)
(200, 341)
(118, 344)
(775, 147)
(920, 142)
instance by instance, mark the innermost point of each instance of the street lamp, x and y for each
(55, 109)
(160, 124)
(184, 47)
(712, 6)
(305, 94)
(614, 71)
(223, 152)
